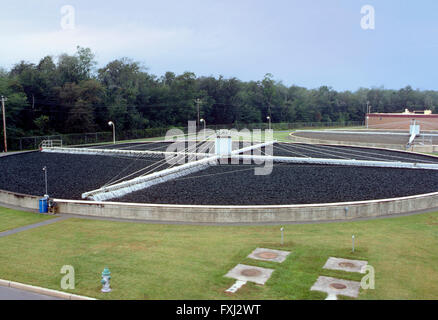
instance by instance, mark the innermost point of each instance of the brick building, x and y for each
(399, 121)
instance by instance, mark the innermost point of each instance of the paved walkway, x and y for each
(16, 294)
(32, 226)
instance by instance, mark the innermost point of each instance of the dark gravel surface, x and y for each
(68, 175)
(365, 138)
(339, 152)
(288, 184)
(71, 175)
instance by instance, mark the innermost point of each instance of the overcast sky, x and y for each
(304, 42)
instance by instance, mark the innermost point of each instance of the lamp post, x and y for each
(114, 130)
(45, 177)
(269, 119)
(202, 120)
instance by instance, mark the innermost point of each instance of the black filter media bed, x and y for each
(288, 184)
(341, 152)
(69, 175)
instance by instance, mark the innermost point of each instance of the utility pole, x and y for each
(4, 122)
(198, 102)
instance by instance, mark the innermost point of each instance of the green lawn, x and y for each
(278, 135)
(282, 135)
(151, 261)
(11, 219)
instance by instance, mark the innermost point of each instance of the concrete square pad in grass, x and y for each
(269, 255)
(345, 265)
(249, 273)
(334, 287)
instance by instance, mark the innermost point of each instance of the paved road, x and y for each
(16, 294)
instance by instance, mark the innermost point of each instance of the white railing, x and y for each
(50, 144)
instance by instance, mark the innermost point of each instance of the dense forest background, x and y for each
(70, 95)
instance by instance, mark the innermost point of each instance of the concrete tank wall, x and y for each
(20, 200)
(251, 214)
(232, 214)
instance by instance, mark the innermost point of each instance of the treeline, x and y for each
(70, 95)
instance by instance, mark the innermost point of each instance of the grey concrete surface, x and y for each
(329, 286)
(345, 265)
(269, 255)
(32, 226)
(250, 273)
(151, 221)
(251, 214)
(16, 294)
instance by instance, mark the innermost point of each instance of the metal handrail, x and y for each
(50, 144)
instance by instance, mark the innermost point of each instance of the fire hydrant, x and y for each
(106, 276)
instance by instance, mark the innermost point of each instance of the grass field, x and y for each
(11, 219)
(151, 261)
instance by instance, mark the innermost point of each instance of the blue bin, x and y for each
(44, 207)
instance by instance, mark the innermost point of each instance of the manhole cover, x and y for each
(267, 255)
(338, 286)
(250, 272)
(347, 265)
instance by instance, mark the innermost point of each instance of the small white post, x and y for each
(282, 235)
(352, 239)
